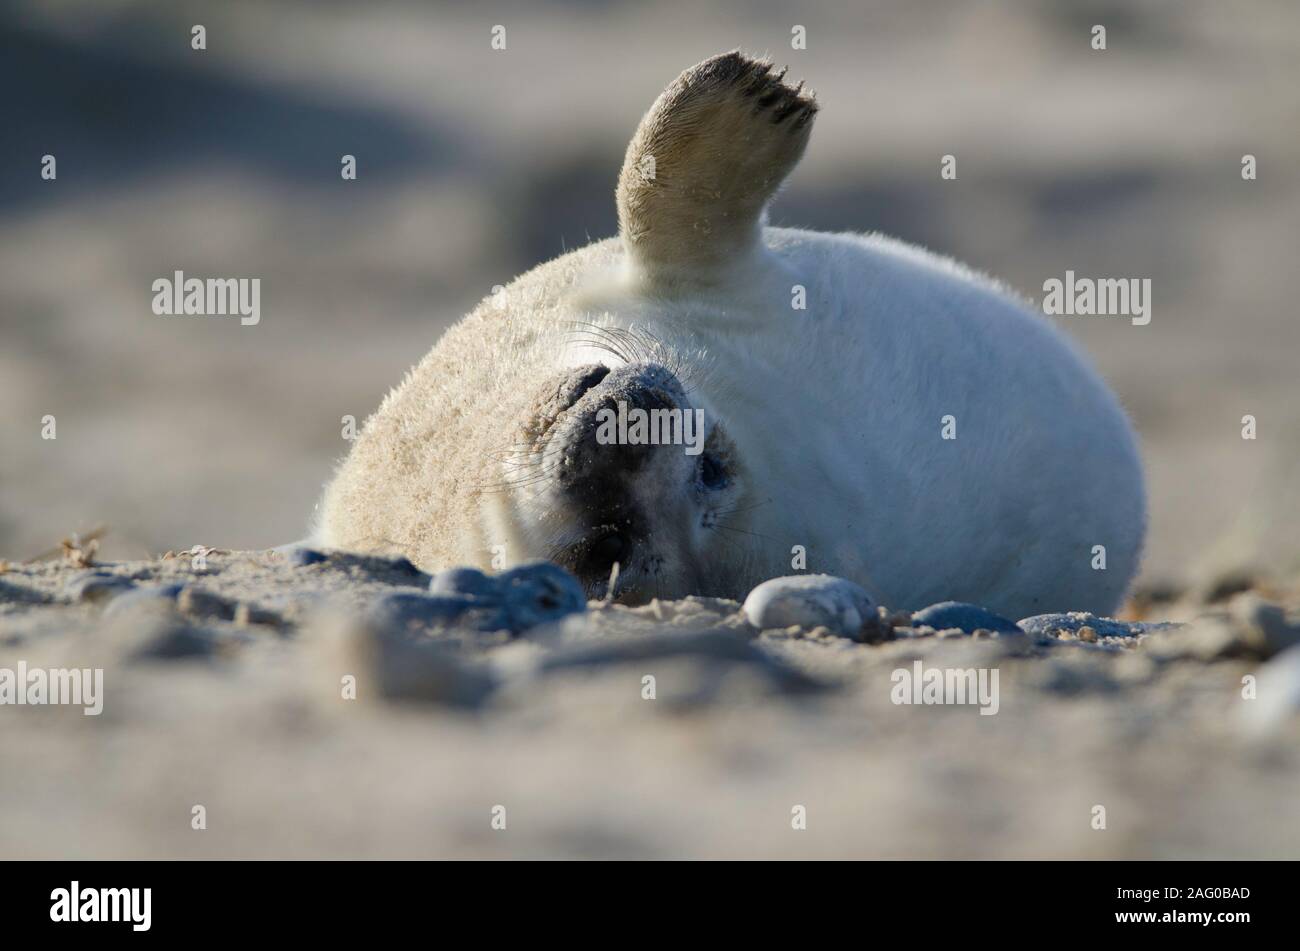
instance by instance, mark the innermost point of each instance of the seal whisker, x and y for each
(741, 531)
(740, 509)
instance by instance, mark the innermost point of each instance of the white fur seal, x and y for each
(913, 427)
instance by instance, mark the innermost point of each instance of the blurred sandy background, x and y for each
(475, 165)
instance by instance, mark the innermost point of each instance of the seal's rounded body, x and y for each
(875, 411)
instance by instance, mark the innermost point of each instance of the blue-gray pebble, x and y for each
(466, 583)
(540, 592)
(405, 609)
(970, 618)
(515, 600)
(1042, 625)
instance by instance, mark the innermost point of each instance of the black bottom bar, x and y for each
(1220, 900)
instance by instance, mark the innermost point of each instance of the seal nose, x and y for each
(608, 443)
(646, 386)
(608, 469)
(602, 452)
(575, 386)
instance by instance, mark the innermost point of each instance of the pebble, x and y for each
(300, 557)
(97, 587)
(809, 601)
(143, 597)
(1046, 625)
(409, 609)
(966, 617)
(465, 582)
(539, 593)
(516, 600)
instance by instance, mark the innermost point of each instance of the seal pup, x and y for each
(870, 410)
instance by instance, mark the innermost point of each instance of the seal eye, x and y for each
(712, 474)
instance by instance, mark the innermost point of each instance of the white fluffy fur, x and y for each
(836, 413)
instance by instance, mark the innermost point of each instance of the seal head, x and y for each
(627, 482)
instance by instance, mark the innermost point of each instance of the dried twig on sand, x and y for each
(76, 549)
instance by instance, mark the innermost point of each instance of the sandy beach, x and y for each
(230, 695)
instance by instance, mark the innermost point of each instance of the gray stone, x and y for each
(97, 587)
(539, 593)
(466, 583)
(301, 556)
(416, 611)
(966, 617)
(516, 600)
(1047, 625)
(152, 597)
(809, 601)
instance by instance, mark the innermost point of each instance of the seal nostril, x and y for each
(590, 379)
(604, 552)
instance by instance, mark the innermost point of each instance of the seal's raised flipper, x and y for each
(704, 162)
